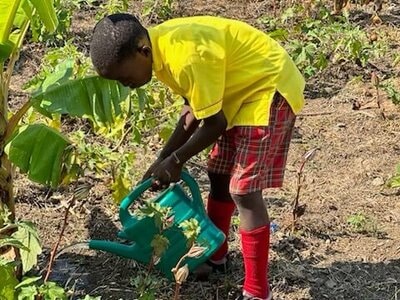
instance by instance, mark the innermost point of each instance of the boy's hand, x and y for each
(151, 169)
(166, 172)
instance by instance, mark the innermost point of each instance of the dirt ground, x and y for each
(327, 258)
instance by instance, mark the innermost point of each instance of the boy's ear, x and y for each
(145, 50)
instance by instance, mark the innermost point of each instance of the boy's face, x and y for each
(134, 70)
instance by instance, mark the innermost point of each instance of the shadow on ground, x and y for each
(339, 281)
(99, 273)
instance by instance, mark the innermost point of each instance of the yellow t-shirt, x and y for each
(218, 63)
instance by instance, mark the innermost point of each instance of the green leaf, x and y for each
(8, 10)
(165, 133)
(95, 98)
(394, 182)
(39, 151)
(143, 97)
(62, 73)
(279, 34)
(27, 281)
(159, 244)
(120, 188)
(9, 241)
(24, 13)
(8, 263)
(47, 13)
(27, 292)
(6, 49)
(51, 291)
(28, 235)
(88, 297)
(7, 283)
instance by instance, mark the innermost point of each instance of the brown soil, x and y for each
(327, 258)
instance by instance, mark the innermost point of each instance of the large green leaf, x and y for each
(8, 9)
(7, 282)
(12, 35)
(93, 97)
(39, 151)
(9, 241)
(28, 236)
(47, 13)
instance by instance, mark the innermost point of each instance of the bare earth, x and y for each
(327, 258)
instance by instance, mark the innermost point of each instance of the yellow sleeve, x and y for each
(206, 85)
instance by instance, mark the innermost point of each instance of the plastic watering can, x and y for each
(140, 231)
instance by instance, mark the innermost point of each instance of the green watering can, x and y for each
(140, 231)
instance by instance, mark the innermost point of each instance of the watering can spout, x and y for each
(125, 250)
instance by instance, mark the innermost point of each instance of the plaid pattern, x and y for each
(255, 156)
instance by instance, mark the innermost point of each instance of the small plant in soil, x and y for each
(298, 210)
(361, 223)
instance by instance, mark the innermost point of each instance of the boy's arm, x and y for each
(170, 168)
(187, 124)
(207, 134)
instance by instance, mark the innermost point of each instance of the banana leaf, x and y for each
(8, 10)
(38, 150)
(47, 13)
(95, 98)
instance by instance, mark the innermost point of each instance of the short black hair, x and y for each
(114, 38)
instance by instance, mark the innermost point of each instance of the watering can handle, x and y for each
(145, 185)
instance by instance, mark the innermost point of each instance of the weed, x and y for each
(112, 6)
(154, 9)
(394, 181)
(64, 11)
(392, 92)
(361, 223)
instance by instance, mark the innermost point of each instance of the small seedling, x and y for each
(394, 181)
(191, 230)
(181, 273)
(298, 210)
(376, 83)
(361, 223)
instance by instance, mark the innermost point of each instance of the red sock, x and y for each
(220, 213)
(255, 247)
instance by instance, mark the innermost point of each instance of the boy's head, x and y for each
(120, 50)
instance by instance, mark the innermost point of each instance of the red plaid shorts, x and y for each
(255, 156)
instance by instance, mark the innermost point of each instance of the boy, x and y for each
(245, 89)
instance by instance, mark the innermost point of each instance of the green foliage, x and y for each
(94, 98)
(316, 42)
(27, 234)
(64, 10)
(54, 61)
(30, 288)
(394, 181)
(392, 92)
(160, 214)
(146, 284)
(159, 244)
(111, 7)
(87, 297)
(191, 230)
(361, 223)
(26, 150)
(15, 16)
(162, 10)
(8, 281)
(13, 242)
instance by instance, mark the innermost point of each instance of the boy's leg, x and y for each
(259, 164)
(220, 208)
(220, 205)
(254, 231)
